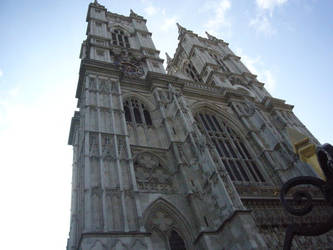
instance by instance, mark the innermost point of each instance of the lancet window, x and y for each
(192, 72)
(232, 150)
(119, 38)
(136, 112)
(219, 61)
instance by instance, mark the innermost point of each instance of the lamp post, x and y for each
(302, 204)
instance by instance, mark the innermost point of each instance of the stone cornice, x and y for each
(97, 19)
(131, 80)
(89, 36)
(221, 227)
(248, 74)
(110, 234)
(212, 93)
(145, 32)
(108, 39)
(149, 49)
(234, 95)
(230, 55)
(155, 79)
(271, 103)
(135, 147)
(256, 83)
(125, 18)
(98, 67)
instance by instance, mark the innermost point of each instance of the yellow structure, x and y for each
(305, 150)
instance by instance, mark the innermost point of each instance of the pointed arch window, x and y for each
(232, 150)
(119, 38)
(192, 72)
(136, 112)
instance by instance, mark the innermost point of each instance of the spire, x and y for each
(97, 4)
(181, 29)
(169, 59)
(133, 14)
(210, 37)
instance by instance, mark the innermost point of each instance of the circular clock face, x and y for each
(131, 69)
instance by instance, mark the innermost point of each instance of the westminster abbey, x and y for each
(191, 157)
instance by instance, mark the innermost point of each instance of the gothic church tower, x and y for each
(189, 159)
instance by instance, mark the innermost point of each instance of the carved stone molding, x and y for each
(151, 175)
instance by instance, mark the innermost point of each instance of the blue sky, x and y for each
(287, 43)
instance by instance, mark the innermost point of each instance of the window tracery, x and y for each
(192, 72)
(220, 62)
(137, 113)
(233, 152)
(119, 38)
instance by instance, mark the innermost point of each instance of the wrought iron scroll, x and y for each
(301, 202)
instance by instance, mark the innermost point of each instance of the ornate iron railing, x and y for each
(302, 204)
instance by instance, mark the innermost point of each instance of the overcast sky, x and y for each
(287, 43)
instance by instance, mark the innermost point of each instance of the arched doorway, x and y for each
(168, 227)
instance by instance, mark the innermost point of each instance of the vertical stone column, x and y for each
(101, 165)
(134, 187)
(87, 171)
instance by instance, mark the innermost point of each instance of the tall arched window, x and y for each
(136, 112)
(192, 72)
(119, 38)
(233, 152)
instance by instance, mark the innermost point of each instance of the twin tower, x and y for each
(191, 158)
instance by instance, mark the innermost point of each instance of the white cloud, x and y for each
(1, 73)
(269, 4)
(169, 23)
(269, 80)
(256, 66)
(219, 18)
(262, 21)
(14, 91)
(151, 10)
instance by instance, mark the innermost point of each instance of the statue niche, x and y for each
(150, 174)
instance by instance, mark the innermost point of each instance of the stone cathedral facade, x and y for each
(188, 158)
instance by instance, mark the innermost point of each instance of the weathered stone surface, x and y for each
(190, 159)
